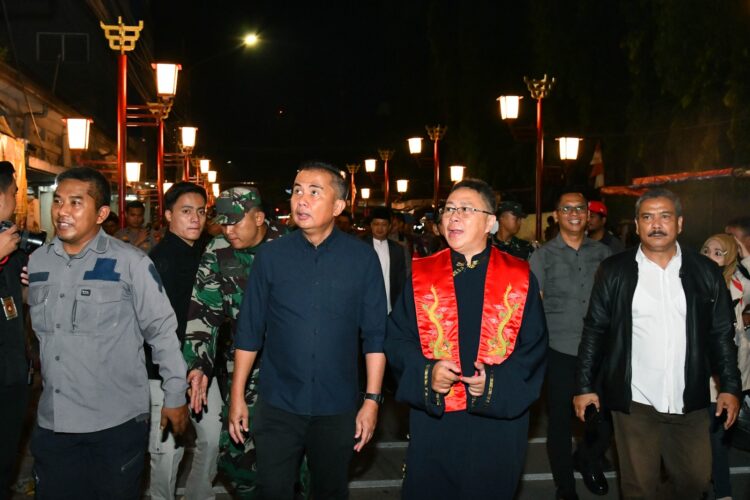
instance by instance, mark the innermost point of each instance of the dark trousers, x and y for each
(561, 370)
(100, 465)
(720, 445)
(15, 399)
(647, 438)
(281, 438)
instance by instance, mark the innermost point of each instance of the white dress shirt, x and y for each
(381, 248)
(659, 335)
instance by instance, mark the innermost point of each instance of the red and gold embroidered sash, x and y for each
(505, 289)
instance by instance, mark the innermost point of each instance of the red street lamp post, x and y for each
(436, 134)
(122, 38)
(539, 89)
(386, 155)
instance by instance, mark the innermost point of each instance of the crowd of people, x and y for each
(256, 334)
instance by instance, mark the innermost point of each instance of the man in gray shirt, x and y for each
(565, 268)
(93, 301)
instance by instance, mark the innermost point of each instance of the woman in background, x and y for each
(723, 249)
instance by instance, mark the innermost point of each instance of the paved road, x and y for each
(376, 473)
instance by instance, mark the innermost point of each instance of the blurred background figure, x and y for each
(597, 228)
(111, 224)
(510, 216)
(724, 250)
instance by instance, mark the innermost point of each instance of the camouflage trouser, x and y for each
(237, 461)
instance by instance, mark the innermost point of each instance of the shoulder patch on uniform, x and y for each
(155, 275)
(40, 276)
(104, 269)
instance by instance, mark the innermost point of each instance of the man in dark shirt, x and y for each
(467, 342)
(14, 389)
(310, 297)
(597, 227)
(176, 258)
(509, 217)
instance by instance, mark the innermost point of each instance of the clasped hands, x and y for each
(445, 373)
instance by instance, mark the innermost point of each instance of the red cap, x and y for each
(598, 207)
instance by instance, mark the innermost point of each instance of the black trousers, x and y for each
(15, 398)
(100, 465)
(560, 390)
(281, 438)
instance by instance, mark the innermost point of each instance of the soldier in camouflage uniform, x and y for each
(509, 218)
(216, 298)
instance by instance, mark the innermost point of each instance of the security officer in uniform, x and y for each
(509, 218)
(93, 301)
(217, 295)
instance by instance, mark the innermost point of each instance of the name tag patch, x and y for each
(86, 292)
(9, 308)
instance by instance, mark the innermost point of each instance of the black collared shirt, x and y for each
(308, 307)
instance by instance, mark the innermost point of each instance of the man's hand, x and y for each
(198, 390)
(238, 419)
(731, 404)
(177, 417)
(477, 382)
(444, 375)
(9, 240)
(582, 401)
(367, 419)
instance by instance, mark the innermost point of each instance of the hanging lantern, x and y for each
(78, 132)
(457, 173)
(509, 105)
(211, 176)
(205, 165)
(133, 172)
(569, 147)
(402, 185)
(415, 145)
(166, 78)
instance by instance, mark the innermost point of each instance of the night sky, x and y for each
(660, 84)
(332, 81)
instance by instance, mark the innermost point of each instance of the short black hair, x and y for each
(339, 177)
(112, 217)
(7, 173)
(178, 189)
(570, 191)
(135, 204)
(380, 213)
(743, 223)
(659, 193)
(99, 188)
(481, 187)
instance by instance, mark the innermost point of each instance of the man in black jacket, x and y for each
(176, 258)
(393, 257)
(14, 389)
(659, 325)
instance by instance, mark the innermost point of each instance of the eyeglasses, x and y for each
(463, 212)
(716, 253)
(578, 209)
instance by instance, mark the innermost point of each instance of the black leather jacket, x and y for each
(605, 351)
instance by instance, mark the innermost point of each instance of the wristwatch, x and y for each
(378, 398)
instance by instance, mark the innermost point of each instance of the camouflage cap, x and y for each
(233, 203)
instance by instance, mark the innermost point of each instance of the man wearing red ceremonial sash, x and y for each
(467, 342)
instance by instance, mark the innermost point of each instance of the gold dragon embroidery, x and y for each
(441, 347)
(499, 344)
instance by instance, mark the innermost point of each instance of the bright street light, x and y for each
(569, 147)
(250, 39)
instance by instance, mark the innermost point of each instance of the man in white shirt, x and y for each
(659, 325)
(393, 257)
